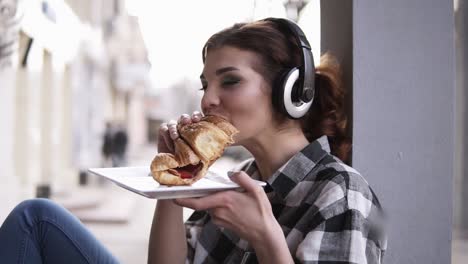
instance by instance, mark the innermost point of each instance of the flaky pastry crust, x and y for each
(200, 144)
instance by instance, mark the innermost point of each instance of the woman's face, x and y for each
(235, 91)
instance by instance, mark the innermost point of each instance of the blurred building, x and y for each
(67, 68)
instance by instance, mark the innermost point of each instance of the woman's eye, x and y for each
(229, 82)
(204, 85)
(225, 82)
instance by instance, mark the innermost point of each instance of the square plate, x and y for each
(139, 180)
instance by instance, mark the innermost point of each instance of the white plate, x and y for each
(138, 180)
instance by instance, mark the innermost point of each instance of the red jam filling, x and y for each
(189, 171)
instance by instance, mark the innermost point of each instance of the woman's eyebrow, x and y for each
(221, 71)
(225, 69)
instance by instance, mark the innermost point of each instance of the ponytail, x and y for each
(327, 114)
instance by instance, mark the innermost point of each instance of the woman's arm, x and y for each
(167, 239)
(271, 247)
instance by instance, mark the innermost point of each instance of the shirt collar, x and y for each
(298, 166)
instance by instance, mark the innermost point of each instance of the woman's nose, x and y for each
(210, 100)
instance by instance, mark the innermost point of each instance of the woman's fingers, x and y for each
(247, 183)
(196, 116)
(184, 119)
(165, 144)
(163, 128)
(172, 127)
(220, 217)
(194, 203)
(169, 131)
(220, 199)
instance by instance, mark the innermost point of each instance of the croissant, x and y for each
(197, 148)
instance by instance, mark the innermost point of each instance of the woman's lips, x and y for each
(212, 114)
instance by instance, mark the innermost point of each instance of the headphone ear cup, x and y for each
(286, 78)
(295, 107)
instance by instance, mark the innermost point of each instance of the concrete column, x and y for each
(136, 121)
(21, 123)
(403, 100)
(46, 97)
(59, 147)
(7, 99)
(461, 124)
(65, 170)
(27, 123)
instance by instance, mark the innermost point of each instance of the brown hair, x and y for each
(279, 51)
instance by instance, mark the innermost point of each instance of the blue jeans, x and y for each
(40, 231)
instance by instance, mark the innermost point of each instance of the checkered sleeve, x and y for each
(193, 228)
(343, 224)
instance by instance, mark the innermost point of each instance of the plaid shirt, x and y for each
(326, 209)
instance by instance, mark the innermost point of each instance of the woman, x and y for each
(314, 208)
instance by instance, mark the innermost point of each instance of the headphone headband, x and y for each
(306, 87)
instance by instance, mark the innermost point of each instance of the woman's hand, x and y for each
(168, 131)
(248, 213)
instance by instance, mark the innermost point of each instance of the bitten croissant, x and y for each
(199, 145)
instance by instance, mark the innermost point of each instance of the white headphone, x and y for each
(294, 90)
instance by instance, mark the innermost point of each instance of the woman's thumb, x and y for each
(244, 181)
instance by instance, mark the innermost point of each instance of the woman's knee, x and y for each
(35, 207)
(30, 212)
